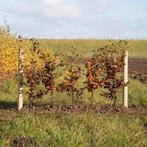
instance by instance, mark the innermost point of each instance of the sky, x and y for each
(123, 19)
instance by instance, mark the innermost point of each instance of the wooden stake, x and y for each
(20, 78)
(125, 96)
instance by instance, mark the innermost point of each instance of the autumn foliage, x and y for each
(8, 52)
(69, 83)
(103, 69)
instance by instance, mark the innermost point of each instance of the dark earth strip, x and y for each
(104, 109)
(137, 65)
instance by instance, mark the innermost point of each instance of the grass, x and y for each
(8, 91)
(42, 129)
(137, 48)
(137, 93)
(75, 130)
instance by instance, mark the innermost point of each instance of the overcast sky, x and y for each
(76, 18)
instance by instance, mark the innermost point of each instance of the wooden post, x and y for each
(125, 96)
(20, 77)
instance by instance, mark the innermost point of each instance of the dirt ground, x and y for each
(138, 65)
(133, 110)
(138, 69)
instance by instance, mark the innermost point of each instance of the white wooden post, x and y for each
(20, 78)
(125, 96)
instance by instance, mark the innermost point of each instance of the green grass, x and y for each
(137, 93)
(8, 91)
(71, 130)
(137, 48)
(75, 130)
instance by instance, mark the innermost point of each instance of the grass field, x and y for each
(70, 130)
(137, 48)
(43, 129)
(40, 128)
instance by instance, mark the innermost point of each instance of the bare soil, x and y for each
(138, 69)
(138, 65)
(75, 108)
(22, 142)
